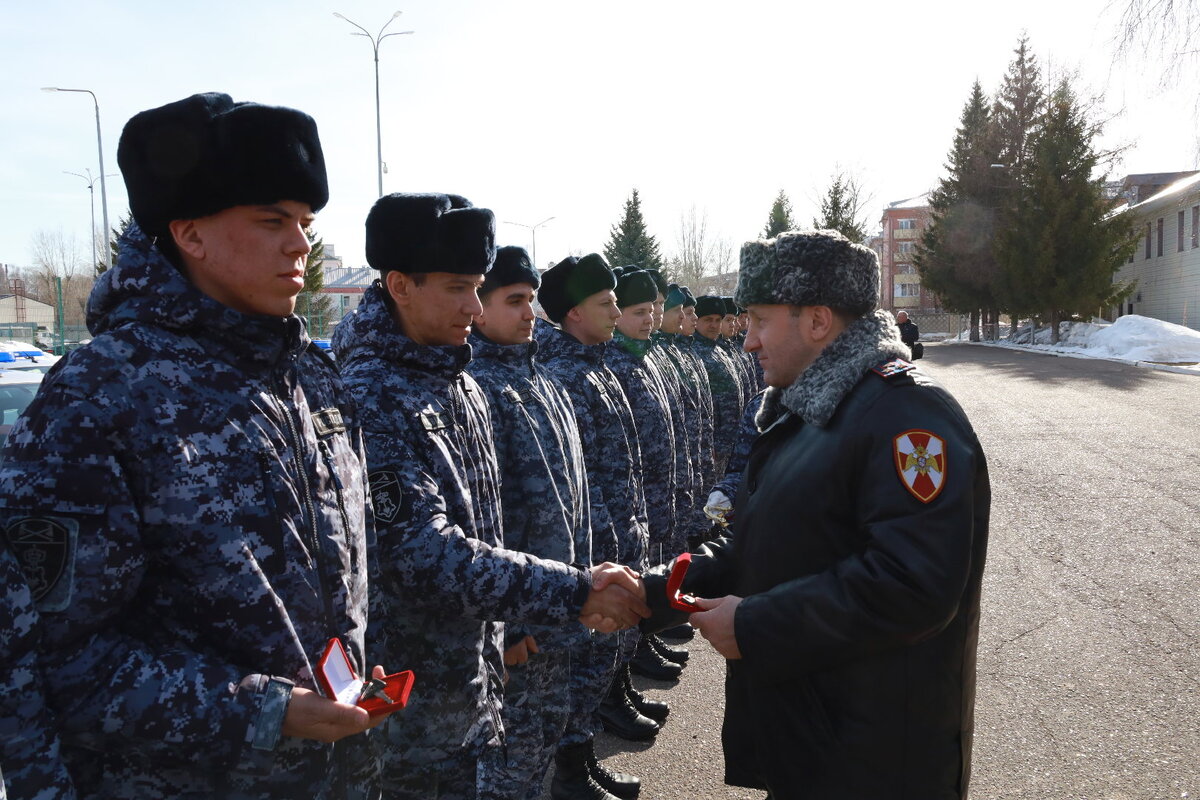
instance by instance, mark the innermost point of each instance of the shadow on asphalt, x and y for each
(1041, 367)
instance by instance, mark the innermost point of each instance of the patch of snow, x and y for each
(1132, 338)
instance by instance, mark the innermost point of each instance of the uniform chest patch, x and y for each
(921, 463)
(387, 496)
(45, 547)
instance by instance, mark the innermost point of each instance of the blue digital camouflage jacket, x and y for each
(543, 480)
(610, 445)
(443, 577)
(187, 499)
(30, 758)
(691, 383)
(731, 481)
(649, 400)
(723, 377)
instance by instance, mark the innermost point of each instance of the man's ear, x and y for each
(399, 287)
(574, 314)
(188, 239)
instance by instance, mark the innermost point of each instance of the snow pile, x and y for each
(1140, 338)
(1131, 338)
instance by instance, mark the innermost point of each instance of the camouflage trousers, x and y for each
(455, 779)
(537, 705)
(593, 667)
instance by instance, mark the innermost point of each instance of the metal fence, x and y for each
(939, 326)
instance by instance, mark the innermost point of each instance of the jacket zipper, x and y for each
(314, 536)
(327, 454)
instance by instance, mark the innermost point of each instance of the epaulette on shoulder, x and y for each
(892, 368)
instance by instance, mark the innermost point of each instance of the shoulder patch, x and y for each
(921, 463)
(387, 496)
(45, 547)
(890, 369)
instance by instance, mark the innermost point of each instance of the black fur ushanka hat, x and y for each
(573, 280)
(512, 266)
(413, 233)
(206, 153)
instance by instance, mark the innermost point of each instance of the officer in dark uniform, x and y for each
(909, 334)
(186, 493)
(847, 596)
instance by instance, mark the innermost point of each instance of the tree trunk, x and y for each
(1053, 327)
(975, 325)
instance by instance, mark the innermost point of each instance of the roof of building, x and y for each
(26, 297)
(1175, 188)
(349, 278)
(920, 201)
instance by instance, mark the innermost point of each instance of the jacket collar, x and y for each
(371, 333)
(820, 389)
(511, 355)
(557, 343)
(144, 287)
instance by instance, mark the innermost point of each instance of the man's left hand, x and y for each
(715, 623)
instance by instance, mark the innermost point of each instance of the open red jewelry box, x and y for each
(682, 602)
(338, 681)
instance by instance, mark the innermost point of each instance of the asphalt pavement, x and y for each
(1089, 655)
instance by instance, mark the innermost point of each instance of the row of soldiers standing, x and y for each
(198, 501)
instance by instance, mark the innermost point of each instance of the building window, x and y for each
(1195, 227)
(908, 268)
(907, 225)
(1160, 235)
(1148, 239)
(1179, 233)
(904, 248)
(908, 290)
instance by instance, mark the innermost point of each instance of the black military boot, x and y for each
(572, 775)
(620, 718)
(656, 710)
(621, 784)
(676, 654)
(649, 664)
(682, 632)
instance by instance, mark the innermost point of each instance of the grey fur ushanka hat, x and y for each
(809, 268)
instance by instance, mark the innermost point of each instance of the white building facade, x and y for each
(1166, 264)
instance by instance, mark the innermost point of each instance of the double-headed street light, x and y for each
(532, 233)
(100, 149)
(91, 182)
(375, 40)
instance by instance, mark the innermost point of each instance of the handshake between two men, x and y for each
(617, 600)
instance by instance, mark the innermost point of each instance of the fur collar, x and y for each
(820, 389)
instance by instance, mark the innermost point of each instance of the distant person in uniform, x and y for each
(846, 598)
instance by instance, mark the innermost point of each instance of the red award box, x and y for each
(682, 602)
(338, 681)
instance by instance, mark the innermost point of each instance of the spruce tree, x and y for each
(1016, 116)
(841, 208)
(629, 241)
(780, 218)
(114, 239)
(954, 256)
(1063, 244)
(313, 304)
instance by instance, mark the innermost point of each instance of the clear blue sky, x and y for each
(539, 108)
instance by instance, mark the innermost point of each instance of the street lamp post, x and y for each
(375, 40)
(100, 149)
(91, 182)
(532, 234)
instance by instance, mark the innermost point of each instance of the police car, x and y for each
(22, 356)
(17, 389)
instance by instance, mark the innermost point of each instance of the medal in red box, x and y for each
(678, 600)
(379, 696)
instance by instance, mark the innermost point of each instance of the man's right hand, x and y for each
(617, 599)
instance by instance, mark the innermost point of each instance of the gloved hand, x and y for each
(718, 506)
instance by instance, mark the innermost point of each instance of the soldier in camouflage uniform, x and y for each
(543, 489)
(723, 497)
(697, 400)
(577, 294)
(30, 759)
(186, 492)
(648, 398)
(723, 377)
(444, 581)
(732, 346)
